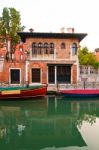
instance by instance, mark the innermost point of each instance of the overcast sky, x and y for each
(51, 15)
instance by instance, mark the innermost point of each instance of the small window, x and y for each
(15, 76)
(74, 49)
(62, 45)
(36, 75)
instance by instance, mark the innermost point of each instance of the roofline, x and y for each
(24, 35)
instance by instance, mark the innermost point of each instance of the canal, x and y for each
(49, 123)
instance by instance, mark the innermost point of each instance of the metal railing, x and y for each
(79, 85)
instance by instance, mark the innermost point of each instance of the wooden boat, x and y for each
(22, 92)
(80, 92)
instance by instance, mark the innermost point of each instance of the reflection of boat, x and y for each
(80, 92)
(22, 92)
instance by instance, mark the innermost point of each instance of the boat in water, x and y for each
(80, 92)
(20, 92)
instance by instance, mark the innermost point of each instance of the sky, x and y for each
(52, 15)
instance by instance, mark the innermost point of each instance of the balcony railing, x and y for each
(42, 56)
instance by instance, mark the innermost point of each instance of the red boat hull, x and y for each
(24, 93)
(80, 92)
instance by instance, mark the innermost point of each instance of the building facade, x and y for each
(43, 58)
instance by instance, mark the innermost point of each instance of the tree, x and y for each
(86, 57)
(10, 24)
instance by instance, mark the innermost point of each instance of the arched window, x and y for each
(34, 45)
(34, 48)
(21, 49)
(46, 48)
(40, 48)
(40, 45)
(62, 45)
(51, 45)
(74, 49)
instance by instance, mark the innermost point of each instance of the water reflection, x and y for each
(48, 124)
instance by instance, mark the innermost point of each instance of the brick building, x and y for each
(43, 58)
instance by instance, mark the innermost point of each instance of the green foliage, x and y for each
(96, 65)
(84, 50)
(87, 58)
(10, 24)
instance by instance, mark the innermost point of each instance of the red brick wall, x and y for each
(10, 65)
(74, 73)
(60, 53)
(43, 68)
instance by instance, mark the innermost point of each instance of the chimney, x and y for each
(70, 30)
(97, 50)
(31, 30)
(62, 30)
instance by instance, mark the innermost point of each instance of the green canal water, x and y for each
(49, 123)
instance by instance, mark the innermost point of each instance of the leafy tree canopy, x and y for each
(87, 58)
(10, 24)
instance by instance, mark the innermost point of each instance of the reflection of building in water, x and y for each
(48, 122)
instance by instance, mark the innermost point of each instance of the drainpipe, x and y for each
(55, 76)
(26, 71)
(1, 67)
